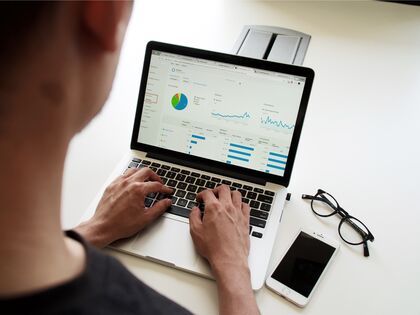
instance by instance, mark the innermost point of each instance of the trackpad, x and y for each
(167, 240)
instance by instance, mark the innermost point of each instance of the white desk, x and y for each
(359, 142)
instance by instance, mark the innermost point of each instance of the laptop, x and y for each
(204, 119)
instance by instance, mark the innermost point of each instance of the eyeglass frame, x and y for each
(345, 216)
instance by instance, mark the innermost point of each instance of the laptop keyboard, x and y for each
(187, 185)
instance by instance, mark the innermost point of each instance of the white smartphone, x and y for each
(301, 268)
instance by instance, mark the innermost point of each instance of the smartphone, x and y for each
(300, 270)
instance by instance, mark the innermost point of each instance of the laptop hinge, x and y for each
(207, 168)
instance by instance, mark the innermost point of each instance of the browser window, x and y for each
(224, 112)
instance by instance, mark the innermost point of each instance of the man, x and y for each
(58, 62)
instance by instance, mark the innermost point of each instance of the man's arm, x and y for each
(121, 211)
(221, 236)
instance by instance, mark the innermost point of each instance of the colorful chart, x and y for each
(243, 116)
(179, 101)
(277, 123)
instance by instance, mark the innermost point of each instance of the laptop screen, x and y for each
(224, 112)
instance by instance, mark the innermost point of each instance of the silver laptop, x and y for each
(205, 119)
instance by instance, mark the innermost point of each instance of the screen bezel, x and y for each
(236, 60)
(288, 292)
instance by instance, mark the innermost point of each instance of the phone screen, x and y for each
(303, 264)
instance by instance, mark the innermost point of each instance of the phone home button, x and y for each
(286, 291)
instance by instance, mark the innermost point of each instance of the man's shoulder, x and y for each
(105, 287)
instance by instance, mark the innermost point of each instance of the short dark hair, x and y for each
(18, 19)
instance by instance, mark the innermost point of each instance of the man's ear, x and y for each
(105, 21)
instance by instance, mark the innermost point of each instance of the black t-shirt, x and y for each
(105, 287)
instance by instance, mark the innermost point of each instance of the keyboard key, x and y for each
(145, 162)
(192, 188)
(171, 175)
(133, 165)
(174, 199)
(181, 185)
(155, 164)
(257, 234)
(190, 180)
(166, 167)
(247, 187)
(180, 193)
(185, 172)
(246, 200)
(269, 193)
(136, 160)
(257, 222)
(192, 204)
(200, 189)
(175, 169)
(154, 169)
(258, 190)
(226, 182)
(179, 211)
(243, 192)
(236, 185)
(164, 180)
(215, 179)
(251, 195)
(182, 202)
(210, 184)
(195, 174)
(250, 229)
(142, 165)
(161, 196)
(232, 188)
(152, 195)
(265, 198)
(180, 177)
(161, 172)
(190, 196)
(148, 202)
(259, 214)
(171, 183)
(254, 204)
(200, 182)
(265, 207)
(205, 177)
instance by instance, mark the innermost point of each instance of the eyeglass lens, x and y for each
(323, 204)
(352, 231)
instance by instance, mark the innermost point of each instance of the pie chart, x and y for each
(179, 101)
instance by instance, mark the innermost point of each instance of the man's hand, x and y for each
(222, 237)
(121, 211)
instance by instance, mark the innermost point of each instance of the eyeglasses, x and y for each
(351, 230)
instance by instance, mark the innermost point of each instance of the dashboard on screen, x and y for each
(224, 112)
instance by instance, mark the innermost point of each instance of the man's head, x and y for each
(58, 62)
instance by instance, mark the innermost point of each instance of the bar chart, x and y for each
(239, 152)
(276, 161)
(195, 139)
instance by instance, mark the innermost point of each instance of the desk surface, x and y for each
(359, 142)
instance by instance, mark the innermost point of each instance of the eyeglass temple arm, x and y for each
(307, 197)
(365, 249)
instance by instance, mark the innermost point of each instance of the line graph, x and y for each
(245, 115)
(268, 121)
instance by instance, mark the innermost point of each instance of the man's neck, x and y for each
(35, 254)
